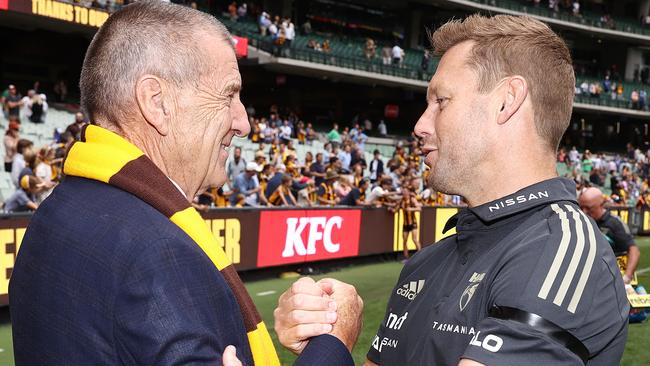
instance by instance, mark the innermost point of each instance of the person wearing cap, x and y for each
(24, 198)
(11, 141)
(326, 193)
(246, 183)
(618, 235)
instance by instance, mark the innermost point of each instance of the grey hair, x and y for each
(146, 37)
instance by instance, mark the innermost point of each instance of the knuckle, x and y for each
(297, 301)
(296, 316)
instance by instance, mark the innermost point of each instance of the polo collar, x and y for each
(541, 193)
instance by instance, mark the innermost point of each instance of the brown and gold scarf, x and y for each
(104, 156)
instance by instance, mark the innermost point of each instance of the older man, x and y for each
(116, 267)
(527, 279)
(615, 230)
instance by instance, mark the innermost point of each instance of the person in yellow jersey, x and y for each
(282, 195)
(326, 193)
(135, 275)
(409, 206)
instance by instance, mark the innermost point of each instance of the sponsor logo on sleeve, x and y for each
(379, 344)
(489, 343)
(395, 322)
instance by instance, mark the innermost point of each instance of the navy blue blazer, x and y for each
(102, 278)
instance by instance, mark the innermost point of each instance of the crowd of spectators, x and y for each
(336, 174)
(615, 90)
(34, 170)
(625, 176)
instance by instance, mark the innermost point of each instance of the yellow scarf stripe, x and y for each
(101, 156)
(262, 347)
(102, 159)
(193, 225)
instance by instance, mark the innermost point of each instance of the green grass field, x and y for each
(374, 282)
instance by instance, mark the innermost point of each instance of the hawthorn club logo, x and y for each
(467, 295)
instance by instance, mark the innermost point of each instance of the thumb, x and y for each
(230, 357)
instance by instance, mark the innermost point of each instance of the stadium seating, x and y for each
(40, 134)
(586, 18)
(346, 52)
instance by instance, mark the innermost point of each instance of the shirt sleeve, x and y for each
(565, 274)
(22, 199)
(621, 235)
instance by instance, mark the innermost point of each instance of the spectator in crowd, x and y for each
(11, 141)
(34, 106)
(264, 23)
(203, 201)
(247, 184)
(376, 167)
(334, 136)
(326, 46)
(242, 10)
(381, 195)
(326, 194)
(23, 199)
(308, 196)
(75, 127)
(237, 165)
(397, 53)
(424, 64)
(370, 49)
(13, 102)
(275, 180)
(285, 132)
(22, 147)
(381, 128)
(575, 8)
(317, 170)
(289, 35)
(357, 195)
(282, 195)
(44, 172)
(386, 55)
(615, 230)
(345, 157)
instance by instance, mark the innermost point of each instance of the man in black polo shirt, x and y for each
(615, 230)
(527, 279)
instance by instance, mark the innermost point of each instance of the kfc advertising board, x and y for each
(294, 236)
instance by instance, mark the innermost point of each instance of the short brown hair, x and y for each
(506, 45)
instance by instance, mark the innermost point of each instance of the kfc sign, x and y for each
(299, 236)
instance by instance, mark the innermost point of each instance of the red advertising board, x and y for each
(4, 4)
(241, 46)
(294, 236)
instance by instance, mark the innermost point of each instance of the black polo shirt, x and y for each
(527, 279)
(616, 232)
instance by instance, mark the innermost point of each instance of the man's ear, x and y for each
(515, 93)
(150, 96)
